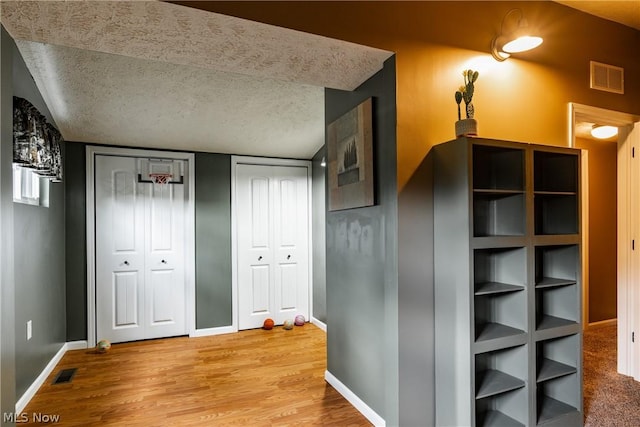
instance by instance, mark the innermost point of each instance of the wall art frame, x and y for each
(350, 159)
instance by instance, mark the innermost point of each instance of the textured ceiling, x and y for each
(113, 99)
(160, 75)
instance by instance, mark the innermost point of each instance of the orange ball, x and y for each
(268, 324)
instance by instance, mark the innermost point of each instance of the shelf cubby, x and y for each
(498, 191)
(557, 357)
(501, 394)
(556, 272)
(555, 172)
(555, 213)
(498, 168)
(498, 213)
(499, 270)
(499, 315)
(556, 265)
(558, 397)
(555, 193)
(499, 297)
(556, 307)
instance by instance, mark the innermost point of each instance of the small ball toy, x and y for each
(103, 346)
(288, 324)
(299, 320)
(268, 324)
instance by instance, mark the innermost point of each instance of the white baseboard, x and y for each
(77, 345)
(320, 324)
(603, 323)
(35, 386)
(357, 403)
(212, 331)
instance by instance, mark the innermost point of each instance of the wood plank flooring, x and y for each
(252, 378)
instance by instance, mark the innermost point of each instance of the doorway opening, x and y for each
(609, 292)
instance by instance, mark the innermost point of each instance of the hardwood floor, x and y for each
(252, 378)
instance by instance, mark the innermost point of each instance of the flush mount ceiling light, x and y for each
(603, 132)
(520, 39)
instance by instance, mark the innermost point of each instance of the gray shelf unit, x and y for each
(507, 284)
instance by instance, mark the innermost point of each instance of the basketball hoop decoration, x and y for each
(160, 178)
(161, 171)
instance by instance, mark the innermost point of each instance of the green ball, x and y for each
(288, 324)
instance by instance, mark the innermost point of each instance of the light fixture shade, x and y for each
(604, 132)
(522, 44)
(518, 40)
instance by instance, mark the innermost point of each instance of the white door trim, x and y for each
(628, 298)
(265, 161)
(189, 266)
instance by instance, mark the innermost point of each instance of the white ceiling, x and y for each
(155, 74)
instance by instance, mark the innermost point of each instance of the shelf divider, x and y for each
(549, 322)
(492, 382)
(551, 408)
(492, 288)
(497, 419)
(552, 282)
(550, 369)
(490, 331)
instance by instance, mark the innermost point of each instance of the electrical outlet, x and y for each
(29, 330)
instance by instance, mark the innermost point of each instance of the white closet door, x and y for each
(140, 279)
(272, 223)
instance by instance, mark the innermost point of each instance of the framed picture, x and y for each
(350, 159)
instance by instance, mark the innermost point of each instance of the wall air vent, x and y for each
(608, 78)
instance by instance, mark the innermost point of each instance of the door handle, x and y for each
(288, 256)
(260, 258)
(163, 261)
(126, 263)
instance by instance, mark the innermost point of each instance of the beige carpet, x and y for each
(610, 399)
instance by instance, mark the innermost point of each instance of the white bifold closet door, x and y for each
(140, 274)
(273, 244)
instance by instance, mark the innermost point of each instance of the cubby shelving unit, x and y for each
(507, 284)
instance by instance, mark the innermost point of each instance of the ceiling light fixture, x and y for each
(603, 132)
(520, 39)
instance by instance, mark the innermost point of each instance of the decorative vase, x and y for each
(466, 127)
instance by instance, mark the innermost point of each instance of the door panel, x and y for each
(161, 200)
(125, 288)
(272, 224)
(288, 287)
(260, 287)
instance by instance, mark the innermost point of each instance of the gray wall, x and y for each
(76, 238)
(415, 298)
(362, 285)
(7, 285)
(39, 264)
(318, 230)
(213, 240)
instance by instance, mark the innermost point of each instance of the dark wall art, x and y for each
(350, 154)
